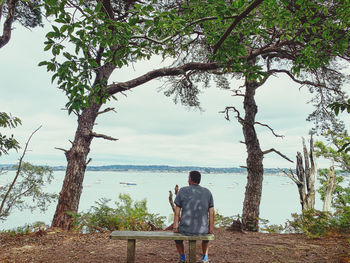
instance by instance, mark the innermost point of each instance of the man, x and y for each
(196, 204)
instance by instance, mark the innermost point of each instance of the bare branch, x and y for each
(106, 110)
(171, 201)
(265, 125)
(227, 117)
(61, 149)
(237, 93)
(279, 153)
(235, 22)
(291, 176)
(106, 137)
(88, 161)
(18, 170)
(302, 82)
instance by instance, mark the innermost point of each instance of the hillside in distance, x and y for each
(155, 168)
(167, 168)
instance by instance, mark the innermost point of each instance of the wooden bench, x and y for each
(131, 236)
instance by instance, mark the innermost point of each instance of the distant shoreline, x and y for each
(157, 168)
(162, 169)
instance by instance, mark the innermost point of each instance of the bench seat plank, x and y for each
(157, 235)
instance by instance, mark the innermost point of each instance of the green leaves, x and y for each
(127, 215)
(85, 42)
(8, 143)
(340, 106)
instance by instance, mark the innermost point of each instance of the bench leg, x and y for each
(131, 251)
(192, 251)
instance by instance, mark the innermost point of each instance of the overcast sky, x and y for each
(151, 129)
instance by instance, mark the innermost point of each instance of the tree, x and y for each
(26, 12)
(292, 38)
(27, 182)
(253, 39)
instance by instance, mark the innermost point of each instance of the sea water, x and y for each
(280, 196)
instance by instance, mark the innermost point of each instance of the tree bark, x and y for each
(305, 178)
(251, 205)
(7, 29)
(327, 203)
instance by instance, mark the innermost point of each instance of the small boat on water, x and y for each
(128, 183)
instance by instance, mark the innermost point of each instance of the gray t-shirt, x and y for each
(195, 202)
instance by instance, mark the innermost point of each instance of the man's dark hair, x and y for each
(195, 176)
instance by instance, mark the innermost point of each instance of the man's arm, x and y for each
(176, 219)
(211, 220)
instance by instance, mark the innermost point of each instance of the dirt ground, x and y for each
(60, 246)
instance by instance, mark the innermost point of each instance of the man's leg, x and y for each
(205, 250)
(181, 250)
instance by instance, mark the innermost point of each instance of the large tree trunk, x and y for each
(77, 161)
(69, 197)
(251, 205)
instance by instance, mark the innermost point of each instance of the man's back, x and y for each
(195, 202)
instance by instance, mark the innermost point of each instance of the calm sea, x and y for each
(280, 195)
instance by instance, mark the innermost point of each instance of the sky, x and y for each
(151, 129)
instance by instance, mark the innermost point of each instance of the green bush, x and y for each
(312, 222)
(341, 219)
(221, 221)
(272, 229)
(127, 215)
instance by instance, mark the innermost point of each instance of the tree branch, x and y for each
(291, 176)
(273, 132)
(235, 22)
(181, 70)
(61, 149)
(302, 82)
(106, 110)
(279, 153)
(227, 117)
(6, 35)
(97, 135)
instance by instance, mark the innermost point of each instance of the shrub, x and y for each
(272, 229)
(341, 219)
(312, 222)
(221, 221)
(127, 215)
